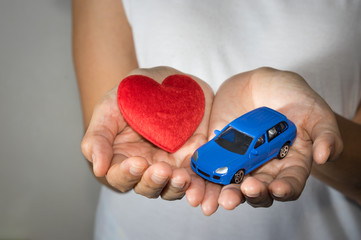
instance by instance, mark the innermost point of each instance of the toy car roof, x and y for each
(257, 121)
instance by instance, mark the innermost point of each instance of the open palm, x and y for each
(129, 161)
(318, 138)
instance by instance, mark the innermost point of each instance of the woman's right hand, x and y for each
(128, 161)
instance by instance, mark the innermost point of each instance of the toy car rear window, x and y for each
(276, 130)
(234, 141)
(283, 126)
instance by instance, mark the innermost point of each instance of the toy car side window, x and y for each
(283, 126)
(272, 133)
(259, 142)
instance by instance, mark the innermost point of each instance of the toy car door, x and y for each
(259, 152)
(274, 139)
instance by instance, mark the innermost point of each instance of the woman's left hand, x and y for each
(318, 138)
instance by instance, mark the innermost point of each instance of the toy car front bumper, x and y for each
(223, 179)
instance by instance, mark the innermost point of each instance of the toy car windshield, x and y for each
(234, 141)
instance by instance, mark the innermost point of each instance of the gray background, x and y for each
(46, 189)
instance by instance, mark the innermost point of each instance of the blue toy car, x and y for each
(243, 145)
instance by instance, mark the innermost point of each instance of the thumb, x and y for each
(97, 149)
(216, 122)
(97, 144)
(327, 143)
(221, 115)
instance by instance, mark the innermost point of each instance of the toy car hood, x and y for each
(212, 156)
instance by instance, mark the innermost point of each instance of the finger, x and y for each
(256, 192)
(106, 123)
(326, 147)
(154, 180)
(218, 119)
(177, 185)
(231, 196)
(327, 142)
(210, 200)
(125, 173)
(98, 149)
(216, 124)
(221, 115)
(289, 183)
(183, 155)
(196, 190)
(232, 100)
(209, 95)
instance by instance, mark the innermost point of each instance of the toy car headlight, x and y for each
(222, 170)
(195, 156)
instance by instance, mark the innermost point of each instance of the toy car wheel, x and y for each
(284, 151)
(238, 177)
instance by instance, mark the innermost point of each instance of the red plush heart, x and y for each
(166, 114)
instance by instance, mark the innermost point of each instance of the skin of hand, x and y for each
(104, 53)
(130, 162)
(318, 138)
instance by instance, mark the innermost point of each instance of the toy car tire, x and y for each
(238, 177)
(284, 151)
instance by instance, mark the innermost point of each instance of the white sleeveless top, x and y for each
(321, 40)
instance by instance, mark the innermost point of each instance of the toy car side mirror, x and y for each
(217, 132)
(254, 152)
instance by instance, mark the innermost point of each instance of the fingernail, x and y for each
(252, 195)
(177, 184)
(278, 195)
(136, 170)
(158, 179)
